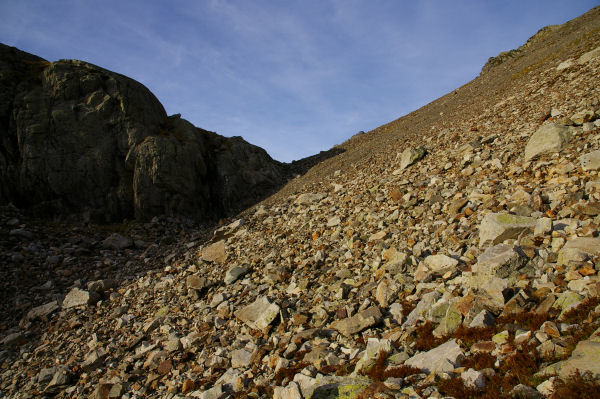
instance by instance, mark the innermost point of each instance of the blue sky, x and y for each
(294, 77)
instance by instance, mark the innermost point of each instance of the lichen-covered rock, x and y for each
(497, 227)
(339, 387)
(585, 358)
(411, 155)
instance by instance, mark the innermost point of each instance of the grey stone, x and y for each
(291, 391)
(358, 322)
(497, 227)
(235, 273)
(42, 311)
(548, 139)
(585, 358)
(473, 378)
(232, 380)
(442, 359)
(259, 314)
(240, 358)
(195, 282)
(14, 339)
(590, 55)
(102, 286)
(500, 260)
(483, 319)
(60, 380)
(94, 360)
(590, 161)
(411, 155)
(215, 392)
(422, 308)
(440, 263)
(310, 198)
(78, 297)
(579, 249)
(117, 241)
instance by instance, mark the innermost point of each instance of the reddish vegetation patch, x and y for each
(528, 320)
(470, 336)
(577, 386)
(582, 311)
(479, 361)
(289, 372)
(379, 371)
(425, 339)
(370, 391)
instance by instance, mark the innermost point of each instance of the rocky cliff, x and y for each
(78, 139)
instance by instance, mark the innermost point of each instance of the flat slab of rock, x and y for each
(548, 139)
(579, 249)
(235, 273)
(411, 155)
(440, 263)
(42, 311)
(500, 260)
(259, 314)
(590, 161)
(310, 198)
(215, 252)
(77, 297)
(443, 359)
(117, 241)
(358, 322)
(497, 227)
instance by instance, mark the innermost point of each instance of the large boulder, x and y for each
(497, 227)
(548, 139)
(79, 139)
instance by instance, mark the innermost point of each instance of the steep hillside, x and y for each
(453, 252)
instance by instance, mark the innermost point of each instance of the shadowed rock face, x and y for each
(78, 139)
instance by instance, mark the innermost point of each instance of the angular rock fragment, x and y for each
(590, 161)
(500, 261)
(117, 241)
(411, 155)
(497, 227)
(360, 321)
(310, 198)
(548, 139)
(42, 310)
(78, 297)
(235, 273)
(579, 249)
(291, 391)
(442, 359)
(259, 314)
(585, 358)
(215, 252)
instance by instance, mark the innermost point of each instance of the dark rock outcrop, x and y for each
(76, 139)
